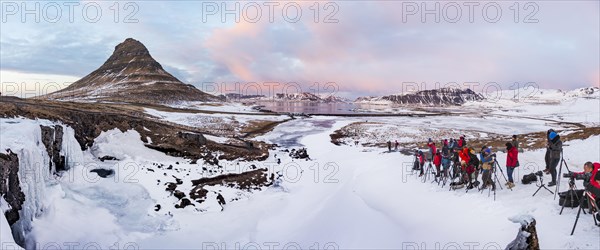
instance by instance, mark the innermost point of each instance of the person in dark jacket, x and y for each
(512, 157)
(487, 161)
(515, 142)
(547, 155)
(462, 142)
(445, 159)
(389, 144)
(455, 158)
(555, 148)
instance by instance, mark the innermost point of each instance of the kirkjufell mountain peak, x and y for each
(130, 74)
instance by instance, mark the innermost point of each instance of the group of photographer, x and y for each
(457, 161)
(462, 161)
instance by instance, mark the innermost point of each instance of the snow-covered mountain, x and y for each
(442, 96)
(537, 95)
(130, 75)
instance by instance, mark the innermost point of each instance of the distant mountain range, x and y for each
(304, 96)
(131, 75)
(442, 96)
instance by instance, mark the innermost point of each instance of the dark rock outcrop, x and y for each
(299, 154)
(251, 180)
(52, 137)
(184, 203)
(104, 173)
(10, 187)
(107, 158)
(193, 137)
(178, 194)
(527, 238)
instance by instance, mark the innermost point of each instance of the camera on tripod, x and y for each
(585, 177)
(578, 176)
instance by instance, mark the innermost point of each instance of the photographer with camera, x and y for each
(553, 154)
(591, 180)
(487, 161)
(590, 177)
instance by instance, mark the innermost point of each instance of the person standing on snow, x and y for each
(555, 147)
(487, 160)
(591, 181)
(432, 149)
(515, 142)
(464, 163)
(547, 155)
(396, 145)
(462, 142)
(421, 162)
(437, 162)
(389, 144)
(445, 159)
(512, 157)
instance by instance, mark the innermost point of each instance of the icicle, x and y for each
(70, 149)
(33, 163)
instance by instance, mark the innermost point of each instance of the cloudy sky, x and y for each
(359, 47)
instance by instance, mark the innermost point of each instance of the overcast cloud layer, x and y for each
(373, 48)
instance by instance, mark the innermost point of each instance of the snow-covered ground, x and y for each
(230, 107)
(346, 197)
(218, 123)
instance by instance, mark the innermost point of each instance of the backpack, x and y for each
(529, 178)
(474, 160)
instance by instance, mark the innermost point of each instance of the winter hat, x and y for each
(487, 151)
(508, 145)
(552, 135)
(430, 140)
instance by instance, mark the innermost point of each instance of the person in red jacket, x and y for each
(421, 157)
(464, 157)
(591, 184)
(437, 161)
(432, 149)
(512, 157)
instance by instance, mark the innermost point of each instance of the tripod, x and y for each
(562, 160)
(542, 185)
(496, 164)
(591, 206)
(494, 180)
(456, 172)
(445, 173)
(427, 172)
(571, 192)
(416, 165)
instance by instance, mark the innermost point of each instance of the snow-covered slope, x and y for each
(536, 95)
(346, 197)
